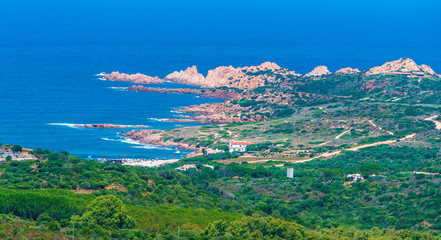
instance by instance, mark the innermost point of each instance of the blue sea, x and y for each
(50, 52)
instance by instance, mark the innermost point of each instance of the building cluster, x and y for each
(189, 166)
(15, 156)
(233, 145)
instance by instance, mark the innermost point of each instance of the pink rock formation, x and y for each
(190, 76)
(428, 70)
(242, 77)
(348, 70)
(318, 71)
(264, 66)
(228, 76)
(401, 66)
(135, 78)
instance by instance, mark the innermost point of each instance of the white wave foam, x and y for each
(148, 146)
(159, 119)
(118, 88)
(113, 140)
(138, 144)
(72, 125)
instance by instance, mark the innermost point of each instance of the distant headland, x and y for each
(257, 76)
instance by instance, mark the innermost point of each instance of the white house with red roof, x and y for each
(238, 146)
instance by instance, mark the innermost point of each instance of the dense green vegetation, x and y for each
(242, 201)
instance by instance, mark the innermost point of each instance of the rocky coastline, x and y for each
(257, 76)
(247, 78)
(135, 78)
(217, 93)
(108, 126)
(154, 137)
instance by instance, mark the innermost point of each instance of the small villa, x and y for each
(238, 146)
(213, 151)
(355, 177)
(188, 166)
(185, 167)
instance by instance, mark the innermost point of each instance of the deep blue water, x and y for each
(51, 50)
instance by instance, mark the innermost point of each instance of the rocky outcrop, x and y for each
(141, 88)
(218, 93)
(154, 137)
(108, 125)
(135, 78)
(348, 70)
(190, 77)
(318, 71)
(428, 70)
(224, 76)
(402, 66)
(229, 76)
(224, 112)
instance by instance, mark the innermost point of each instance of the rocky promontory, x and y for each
(154, 137)
(268, 72)
(218, 93)
(135, 78)
(108, 126)
(224, 112)
(223, 76)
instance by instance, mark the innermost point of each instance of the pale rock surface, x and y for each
(402, 65)
(229, 76)
(318, 71)
(428, 69)
(190, 76)
(348, 70)
(136, 78)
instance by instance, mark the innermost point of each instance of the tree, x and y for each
(16, 148)
(109, 212)
(8, 158)
(370, 168)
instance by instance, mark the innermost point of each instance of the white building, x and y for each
(290, 172)
(355, 177)
(188, 166)
(238, 146)
(214, 151)
(185, 167)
